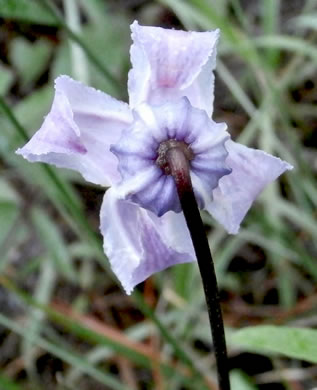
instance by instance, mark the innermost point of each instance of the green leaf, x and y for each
(235, 88)
(116, 56)
(7, 193)
(10, 229)
(307, 21)
(27, 11)
(304, 220)
(43, 292)
(30, 59)
(67, 355)
(86, 47)
(297, 343)
(288, 43)
(8, 213)
(6, 79)
(240, 381)
(30, 112)
(61, 63)
(183, 279)
(270, 16)
(7, 384)
(169, 338)
(59, 191)
(85, 332)
(54, 243)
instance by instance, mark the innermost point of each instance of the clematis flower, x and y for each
(111, 143)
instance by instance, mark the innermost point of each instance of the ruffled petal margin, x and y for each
(169, 64)
(138, 243)
(252, 170)
(78, 131)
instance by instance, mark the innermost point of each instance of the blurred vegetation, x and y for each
(64, 322)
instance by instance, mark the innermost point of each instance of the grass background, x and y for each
(64, 322)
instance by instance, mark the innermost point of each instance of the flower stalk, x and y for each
(179, 168)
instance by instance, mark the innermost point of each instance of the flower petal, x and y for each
(252, 170)
(169, 64)
(141, 156)
(78, 131)
(138, 243)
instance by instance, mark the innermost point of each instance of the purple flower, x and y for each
(123, 146)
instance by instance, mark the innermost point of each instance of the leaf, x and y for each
(116, 56)
(27, 11)
(299, 217)
(7, 384)
(270, 17)
(183, 279)
(30, 112)
(66, 354)
(94, 332)
(8, 215)
(43, 293)
(234, 87)
(7, 193)
(54, 243)
(306, 21)
(30, 59)
(284, 42)
(6, 79)
(61, 63)
(240, 381)
(297, 343)
(10, 230)
(59, 191)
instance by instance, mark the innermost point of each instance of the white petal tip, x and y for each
(234, 231)
(24, 153)
(127, 290)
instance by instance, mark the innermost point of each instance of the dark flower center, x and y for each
(165, 146)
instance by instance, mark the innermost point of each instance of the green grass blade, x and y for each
(297, 343)
(63, 194)
(50, 6)
(271, 12)
(178, 349)
(101, 339)
(43, 293)
(240, 381)
(284, 42)
(52, 240)
(27, 11)
(64, 354)
(8, 384)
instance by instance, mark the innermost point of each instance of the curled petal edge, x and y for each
(252, 171)
(78, 131)
(138, 243)
(189, 59)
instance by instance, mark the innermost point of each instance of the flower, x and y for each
(123, 146)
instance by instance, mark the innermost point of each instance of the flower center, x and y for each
(165, 146)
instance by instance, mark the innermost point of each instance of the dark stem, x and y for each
(179, 167)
